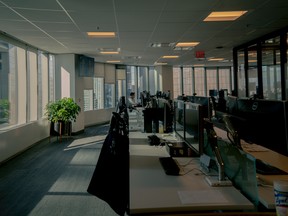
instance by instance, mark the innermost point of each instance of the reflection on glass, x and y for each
(271, 69)
(241, 74)
(179, 117)
(192, 125)
(252, 71)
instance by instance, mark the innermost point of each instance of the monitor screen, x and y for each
(265, 123)
(179, 117)
(194, 130)
(204, 101)
(231, 104)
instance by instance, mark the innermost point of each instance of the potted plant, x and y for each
(61, 113)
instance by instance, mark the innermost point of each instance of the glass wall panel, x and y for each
(241, 74)
(212, 80)
(271, 69)
(188, 87)
(252, 71)
(200, 81)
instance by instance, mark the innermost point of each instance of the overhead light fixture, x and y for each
(224, 15)
(101, 34)
(186, 44)
(113, 61)
(109, 52)
(161, 44)
(170, 57)
(160, 63)
(216, 59)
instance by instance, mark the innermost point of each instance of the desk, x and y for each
(152, 191)
(265, 193)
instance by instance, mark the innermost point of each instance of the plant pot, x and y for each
(66, 128)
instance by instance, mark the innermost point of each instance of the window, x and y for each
(109, 95)
(271, 69)
(98, 93)
(188, 81)
(212, 80)
(32, 85)
(7, 80)
(88, 99)
(23, 84)
(225, 79)
(200, 81)
(177, 80)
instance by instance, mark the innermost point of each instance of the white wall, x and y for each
(98, 116)
(19, 139)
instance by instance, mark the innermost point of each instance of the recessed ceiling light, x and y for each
(216, 59)
(113, 61)
(187, 44)
(101, 34)
(224, 15)
(160, 63)
(109, 52)
(170, 57)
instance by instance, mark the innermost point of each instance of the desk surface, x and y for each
(152, 191)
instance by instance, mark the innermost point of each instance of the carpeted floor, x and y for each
(51, 178)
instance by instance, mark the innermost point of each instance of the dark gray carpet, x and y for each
(51, 178)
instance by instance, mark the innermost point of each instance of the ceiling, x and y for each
(60, 26)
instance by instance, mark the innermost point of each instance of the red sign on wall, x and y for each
(200, 54)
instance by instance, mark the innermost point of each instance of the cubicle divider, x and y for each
(240, 169)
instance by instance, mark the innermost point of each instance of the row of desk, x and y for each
(153, 192)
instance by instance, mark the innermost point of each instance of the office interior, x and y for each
(243, 61)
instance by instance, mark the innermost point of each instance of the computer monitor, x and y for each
(231, 104)
(194, 130)
(265, 123)
(179, 117)
(204, 101)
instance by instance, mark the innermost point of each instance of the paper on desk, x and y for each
(201, 196)
(253, 148)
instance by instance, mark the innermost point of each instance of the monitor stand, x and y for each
(214, 181)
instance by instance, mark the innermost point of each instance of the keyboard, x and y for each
(169, 165)
(267, 169)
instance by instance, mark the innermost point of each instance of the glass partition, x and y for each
(271, 69)
(252, 71)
